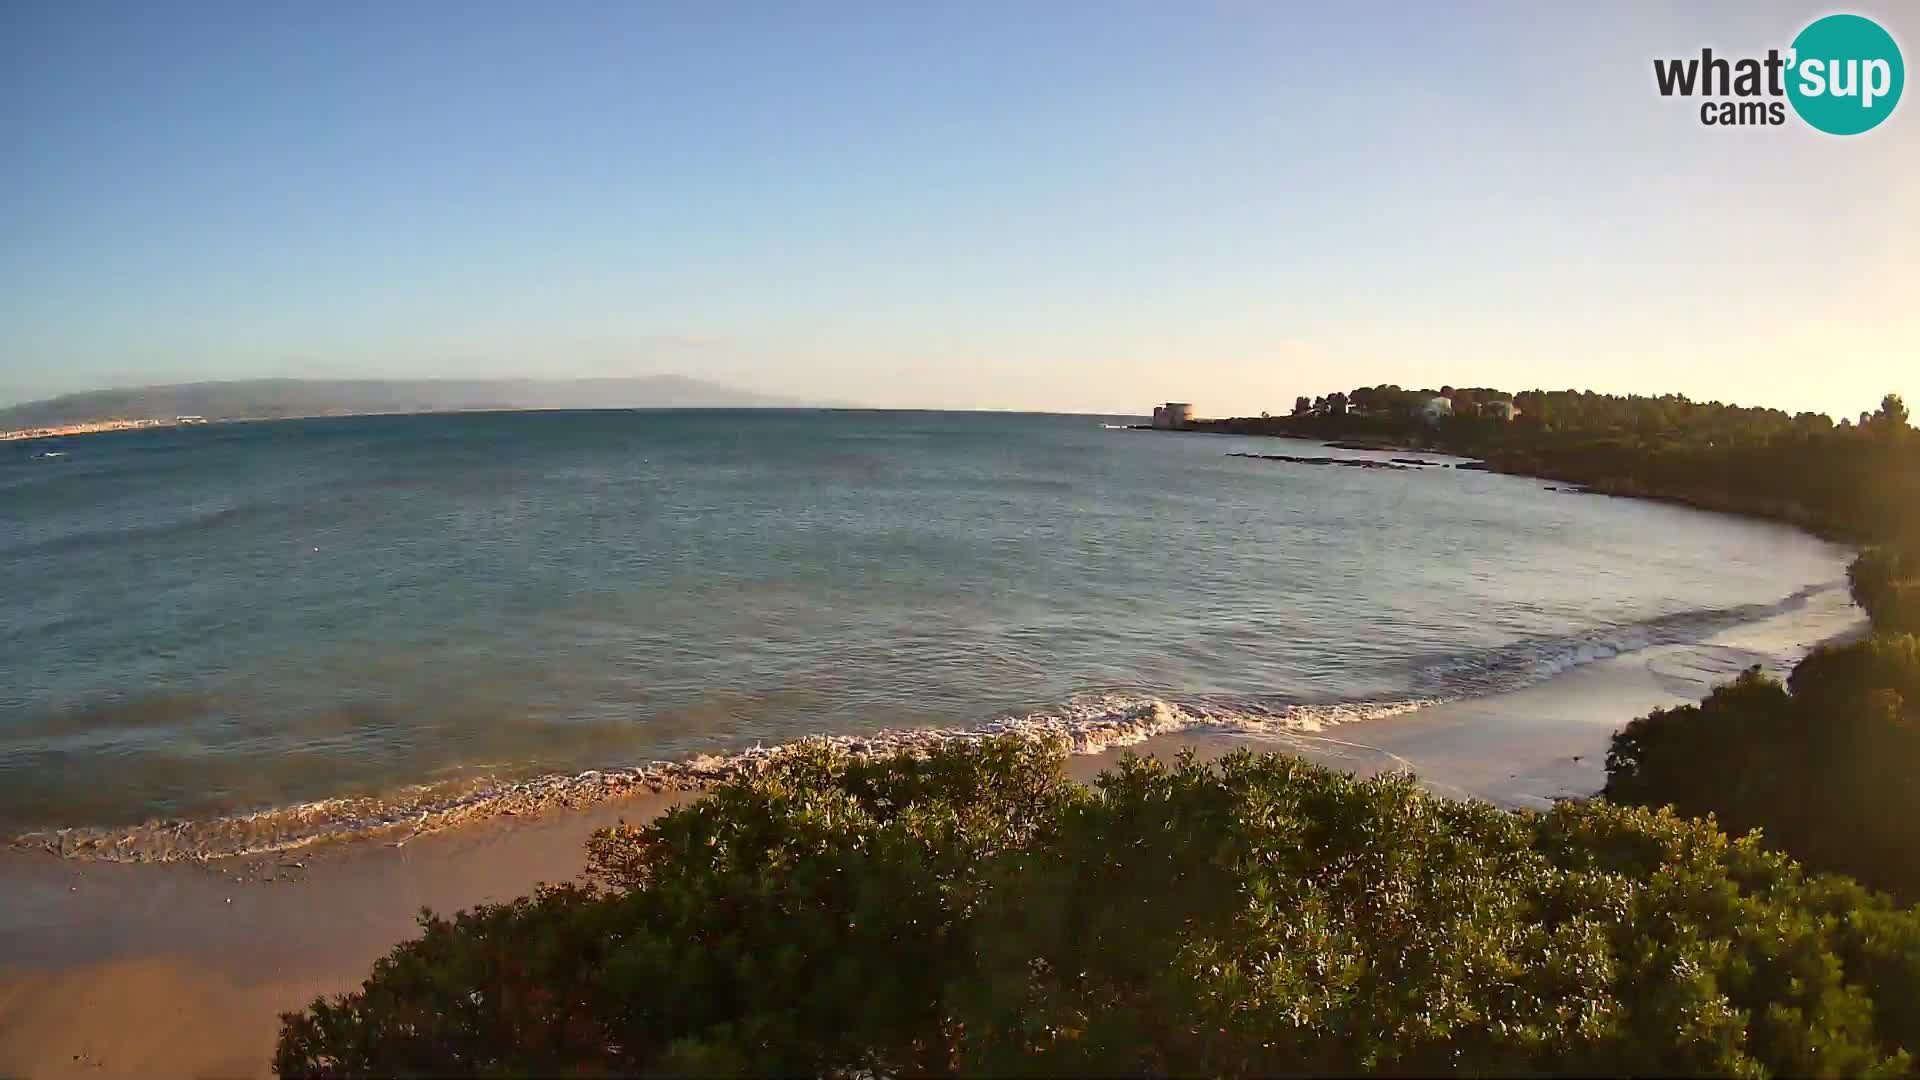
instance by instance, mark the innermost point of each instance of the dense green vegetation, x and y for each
(1824, 766)
(1886, 582)
(976, 912)
(1852, 481)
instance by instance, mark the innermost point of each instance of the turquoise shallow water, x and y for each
(205, 621)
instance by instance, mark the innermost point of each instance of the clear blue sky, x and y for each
(1075, 206)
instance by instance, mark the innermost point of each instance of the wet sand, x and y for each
(182, 970)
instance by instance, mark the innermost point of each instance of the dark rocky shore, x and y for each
(1397, 464)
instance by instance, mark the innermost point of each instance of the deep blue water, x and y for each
(205, 620)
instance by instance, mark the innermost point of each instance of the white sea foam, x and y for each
(1085, 724)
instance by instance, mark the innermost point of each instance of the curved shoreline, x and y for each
(180, 966)
(273, 818)
(1087, 724)
(1516, 462)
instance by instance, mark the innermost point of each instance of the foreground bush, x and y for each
(1885, 580)
(976, 913)
(1826, 765)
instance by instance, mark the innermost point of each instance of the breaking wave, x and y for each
(1534, 660)
(1087, 724)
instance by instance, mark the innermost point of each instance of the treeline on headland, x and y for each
(1857, 481)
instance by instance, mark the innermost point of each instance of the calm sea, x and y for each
(209, 621)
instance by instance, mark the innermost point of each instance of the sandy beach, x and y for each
(182, 969)
(832, 455)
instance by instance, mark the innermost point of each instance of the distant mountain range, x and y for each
(269, 398)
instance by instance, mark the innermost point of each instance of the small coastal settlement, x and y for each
(96, 426)
(1427, 406)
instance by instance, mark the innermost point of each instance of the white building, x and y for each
(1435, 408)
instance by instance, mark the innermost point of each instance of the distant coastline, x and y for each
(289, 399)
(95, 427)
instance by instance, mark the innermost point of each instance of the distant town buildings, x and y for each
(93, 426)
(1499, 410)
(1436, 407)
(1173, 415)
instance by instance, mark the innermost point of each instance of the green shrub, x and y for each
(1885, 580)
(1825, 765)
(974, 912)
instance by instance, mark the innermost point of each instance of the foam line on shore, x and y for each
(1089, 724)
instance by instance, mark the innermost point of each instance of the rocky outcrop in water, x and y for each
(1352, 463)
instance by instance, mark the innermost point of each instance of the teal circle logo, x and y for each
(1845, 74)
